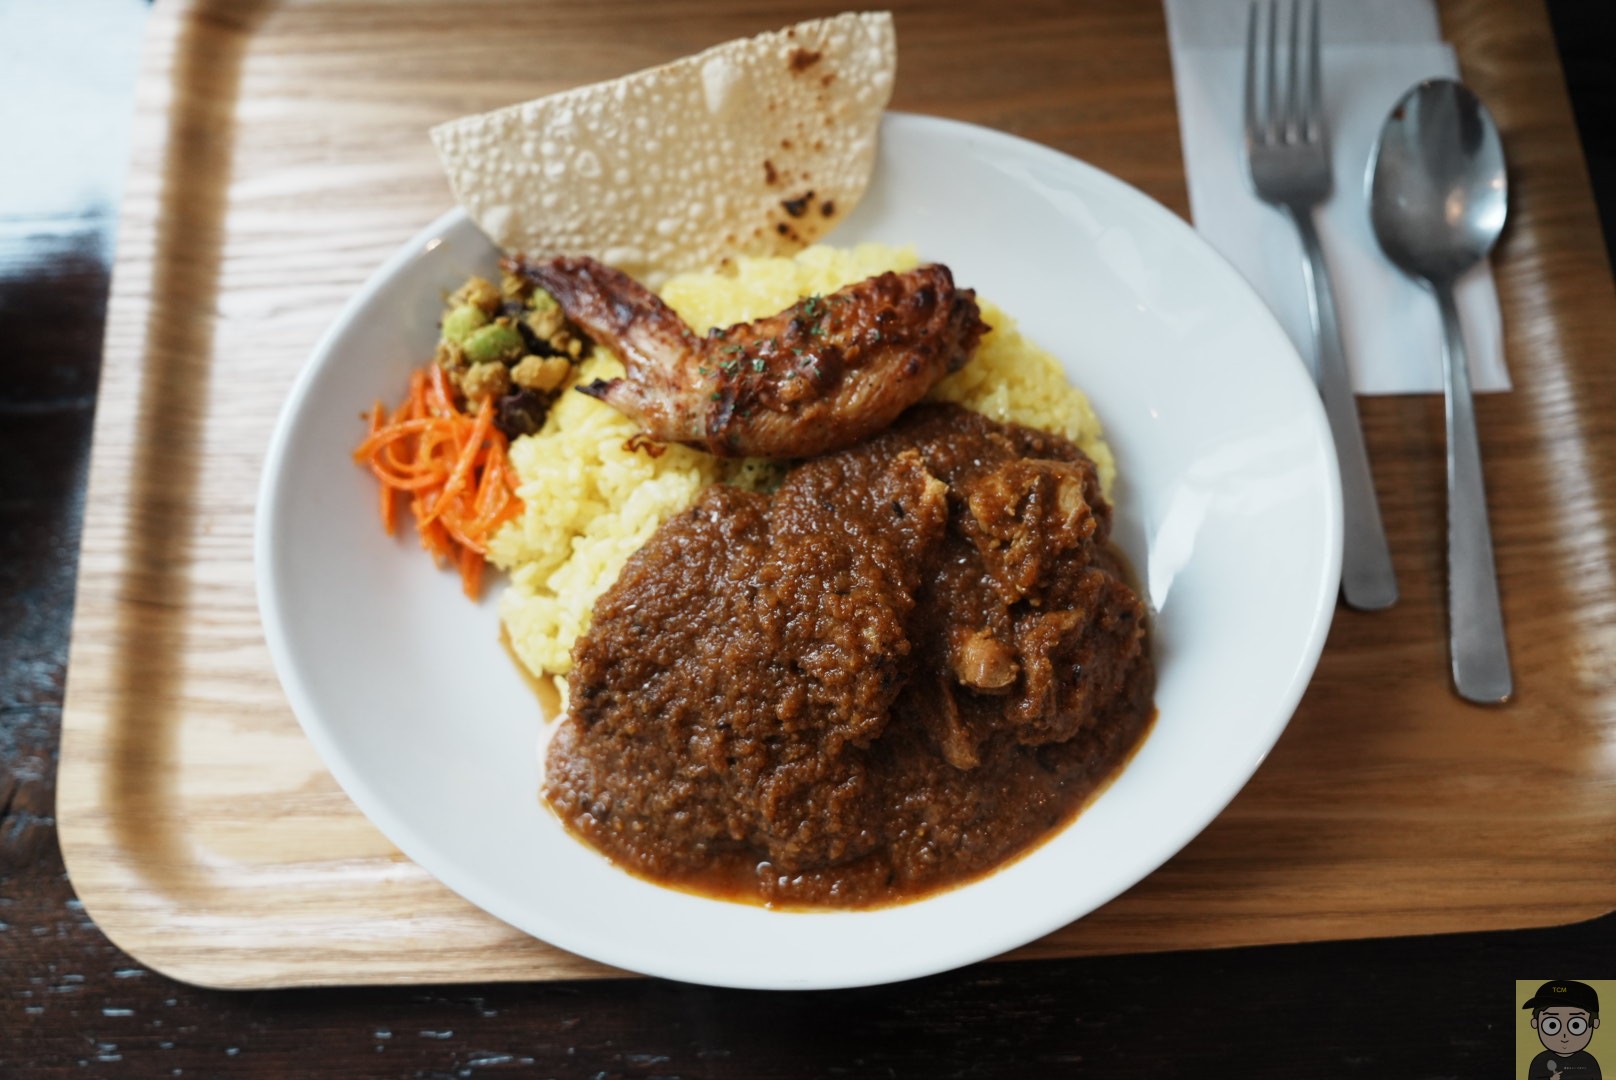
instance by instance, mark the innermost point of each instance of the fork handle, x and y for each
(1367, 579)
(1476, 642)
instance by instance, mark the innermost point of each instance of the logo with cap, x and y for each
(1565, 1014)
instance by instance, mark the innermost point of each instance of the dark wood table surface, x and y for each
(72, 1004)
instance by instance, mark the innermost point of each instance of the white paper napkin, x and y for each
(1374, 52)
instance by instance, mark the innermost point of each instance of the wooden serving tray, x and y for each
(280, 155)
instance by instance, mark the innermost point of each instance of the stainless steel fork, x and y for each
(1288, 152)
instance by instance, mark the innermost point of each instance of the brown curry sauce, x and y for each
(910, 665)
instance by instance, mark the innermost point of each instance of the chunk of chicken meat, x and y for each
(817, 377)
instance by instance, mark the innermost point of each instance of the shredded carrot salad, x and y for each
(453, 469)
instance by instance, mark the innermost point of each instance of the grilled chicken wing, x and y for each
(817, 377)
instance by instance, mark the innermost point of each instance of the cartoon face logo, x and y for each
(1564, 1029)
(1564, 1016)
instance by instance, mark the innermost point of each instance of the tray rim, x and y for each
(139, 223)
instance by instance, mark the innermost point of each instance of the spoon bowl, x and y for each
(1438, 191)
(1437, 200)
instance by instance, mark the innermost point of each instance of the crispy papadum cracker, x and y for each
(753, 147)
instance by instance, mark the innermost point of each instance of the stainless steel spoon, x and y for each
(1437, 199)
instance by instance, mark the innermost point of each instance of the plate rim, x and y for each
(402, 835)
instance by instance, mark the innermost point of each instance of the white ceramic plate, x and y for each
(1227, 504)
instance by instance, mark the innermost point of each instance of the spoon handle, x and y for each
(1367, 579)
(1476, 643)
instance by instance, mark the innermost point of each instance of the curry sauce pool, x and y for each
(904, 668)
(734, 877)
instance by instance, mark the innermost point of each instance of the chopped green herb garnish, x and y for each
(732, 348)
(758, 365)
(730, 366)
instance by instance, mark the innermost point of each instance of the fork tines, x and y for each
(1302, 117)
